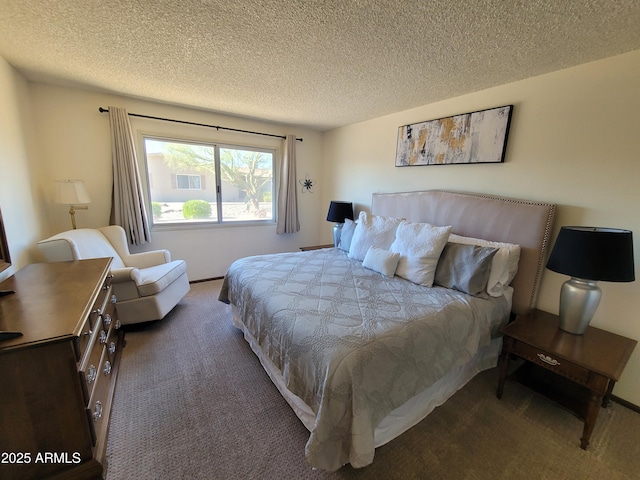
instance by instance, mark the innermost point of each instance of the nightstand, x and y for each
(576, 371)
(316, 247)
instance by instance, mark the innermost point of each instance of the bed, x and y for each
(363, 349)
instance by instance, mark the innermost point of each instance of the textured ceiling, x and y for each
(319, 63)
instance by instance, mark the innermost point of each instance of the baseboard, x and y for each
(206, 280)
(624, 403)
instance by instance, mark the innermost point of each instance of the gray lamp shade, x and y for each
(339, 211)
(594, 253)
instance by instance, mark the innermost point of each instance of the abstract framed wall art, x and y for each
(476, 137)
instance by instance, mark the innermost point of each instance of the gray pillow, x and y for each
(347, 234)
(465, 268)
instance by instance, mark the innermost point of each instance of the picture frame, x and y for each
(475, 137)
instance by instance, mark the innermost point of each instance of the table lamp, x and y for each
(589, 255)
(338, 212)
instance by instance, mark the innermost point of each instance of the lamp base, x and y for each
(337, 233)
(72, 213)
(579, 300)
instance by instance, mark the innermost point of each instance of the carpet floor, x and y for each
(193, 402)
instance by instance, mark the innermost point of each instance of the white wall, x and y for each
(19, 200)
(74, 141)
(573, 142)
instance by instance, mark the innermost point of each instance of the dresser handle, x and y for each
(118, 324)
(547, 359)
(112, 348)
(106, 319)
(113, 299)
(103, 337)
(97, 412)
(91, 375)
(107, 368)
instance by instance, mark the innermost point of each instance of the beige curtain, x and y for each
(287, 192)
(127, 208)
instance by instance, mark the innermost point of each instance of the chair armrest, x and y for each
(147, 259)
(126, 274)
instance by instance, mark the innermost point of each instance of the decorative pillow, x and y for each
(347, 234)
(465, 268)
(372, 230)
(381, 261)
(504, 265)
(419, 246)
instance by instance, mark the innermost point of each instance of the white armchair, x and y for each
(147, 285)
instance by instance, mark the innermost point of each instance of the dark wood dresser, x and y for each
(57, 380)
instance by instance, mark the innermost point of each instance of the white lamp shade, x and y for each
(71, 192)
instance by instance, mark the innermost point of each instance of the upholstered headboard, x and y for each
(525, 223)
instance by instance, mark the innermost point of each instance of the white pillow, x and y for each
(419, 246)
(504, 265)
(347, 234)
(381, 261)
(372, 230)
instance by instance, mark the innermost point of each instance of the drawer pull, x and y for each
(118, 324)
(548, 360)
(103, 337)
(112, 348)
(106, 319)
(107, 368)
(97, 412)
(113, 299)
(91, 375)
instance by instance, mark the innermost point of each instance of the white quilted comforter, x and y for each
(351, 343)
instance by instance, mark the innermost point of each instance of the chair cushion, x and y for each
(153, 280)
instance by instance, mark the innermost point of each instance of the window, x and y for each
(198, 182)
(188, 182)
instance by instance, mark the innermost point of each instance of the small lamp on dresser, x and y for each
(589, 255)
(338, 212)
(72, 193)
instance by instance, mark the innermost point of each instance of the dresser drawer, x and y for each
(82, 342)
(102, 304)
(90, 364)
(561, 367)
(99, 405)
(109, 316)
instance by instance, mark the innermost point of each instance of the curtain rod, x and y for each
(105, 110)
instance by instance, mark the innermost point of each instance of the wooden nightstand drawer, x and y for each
(557, 365)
